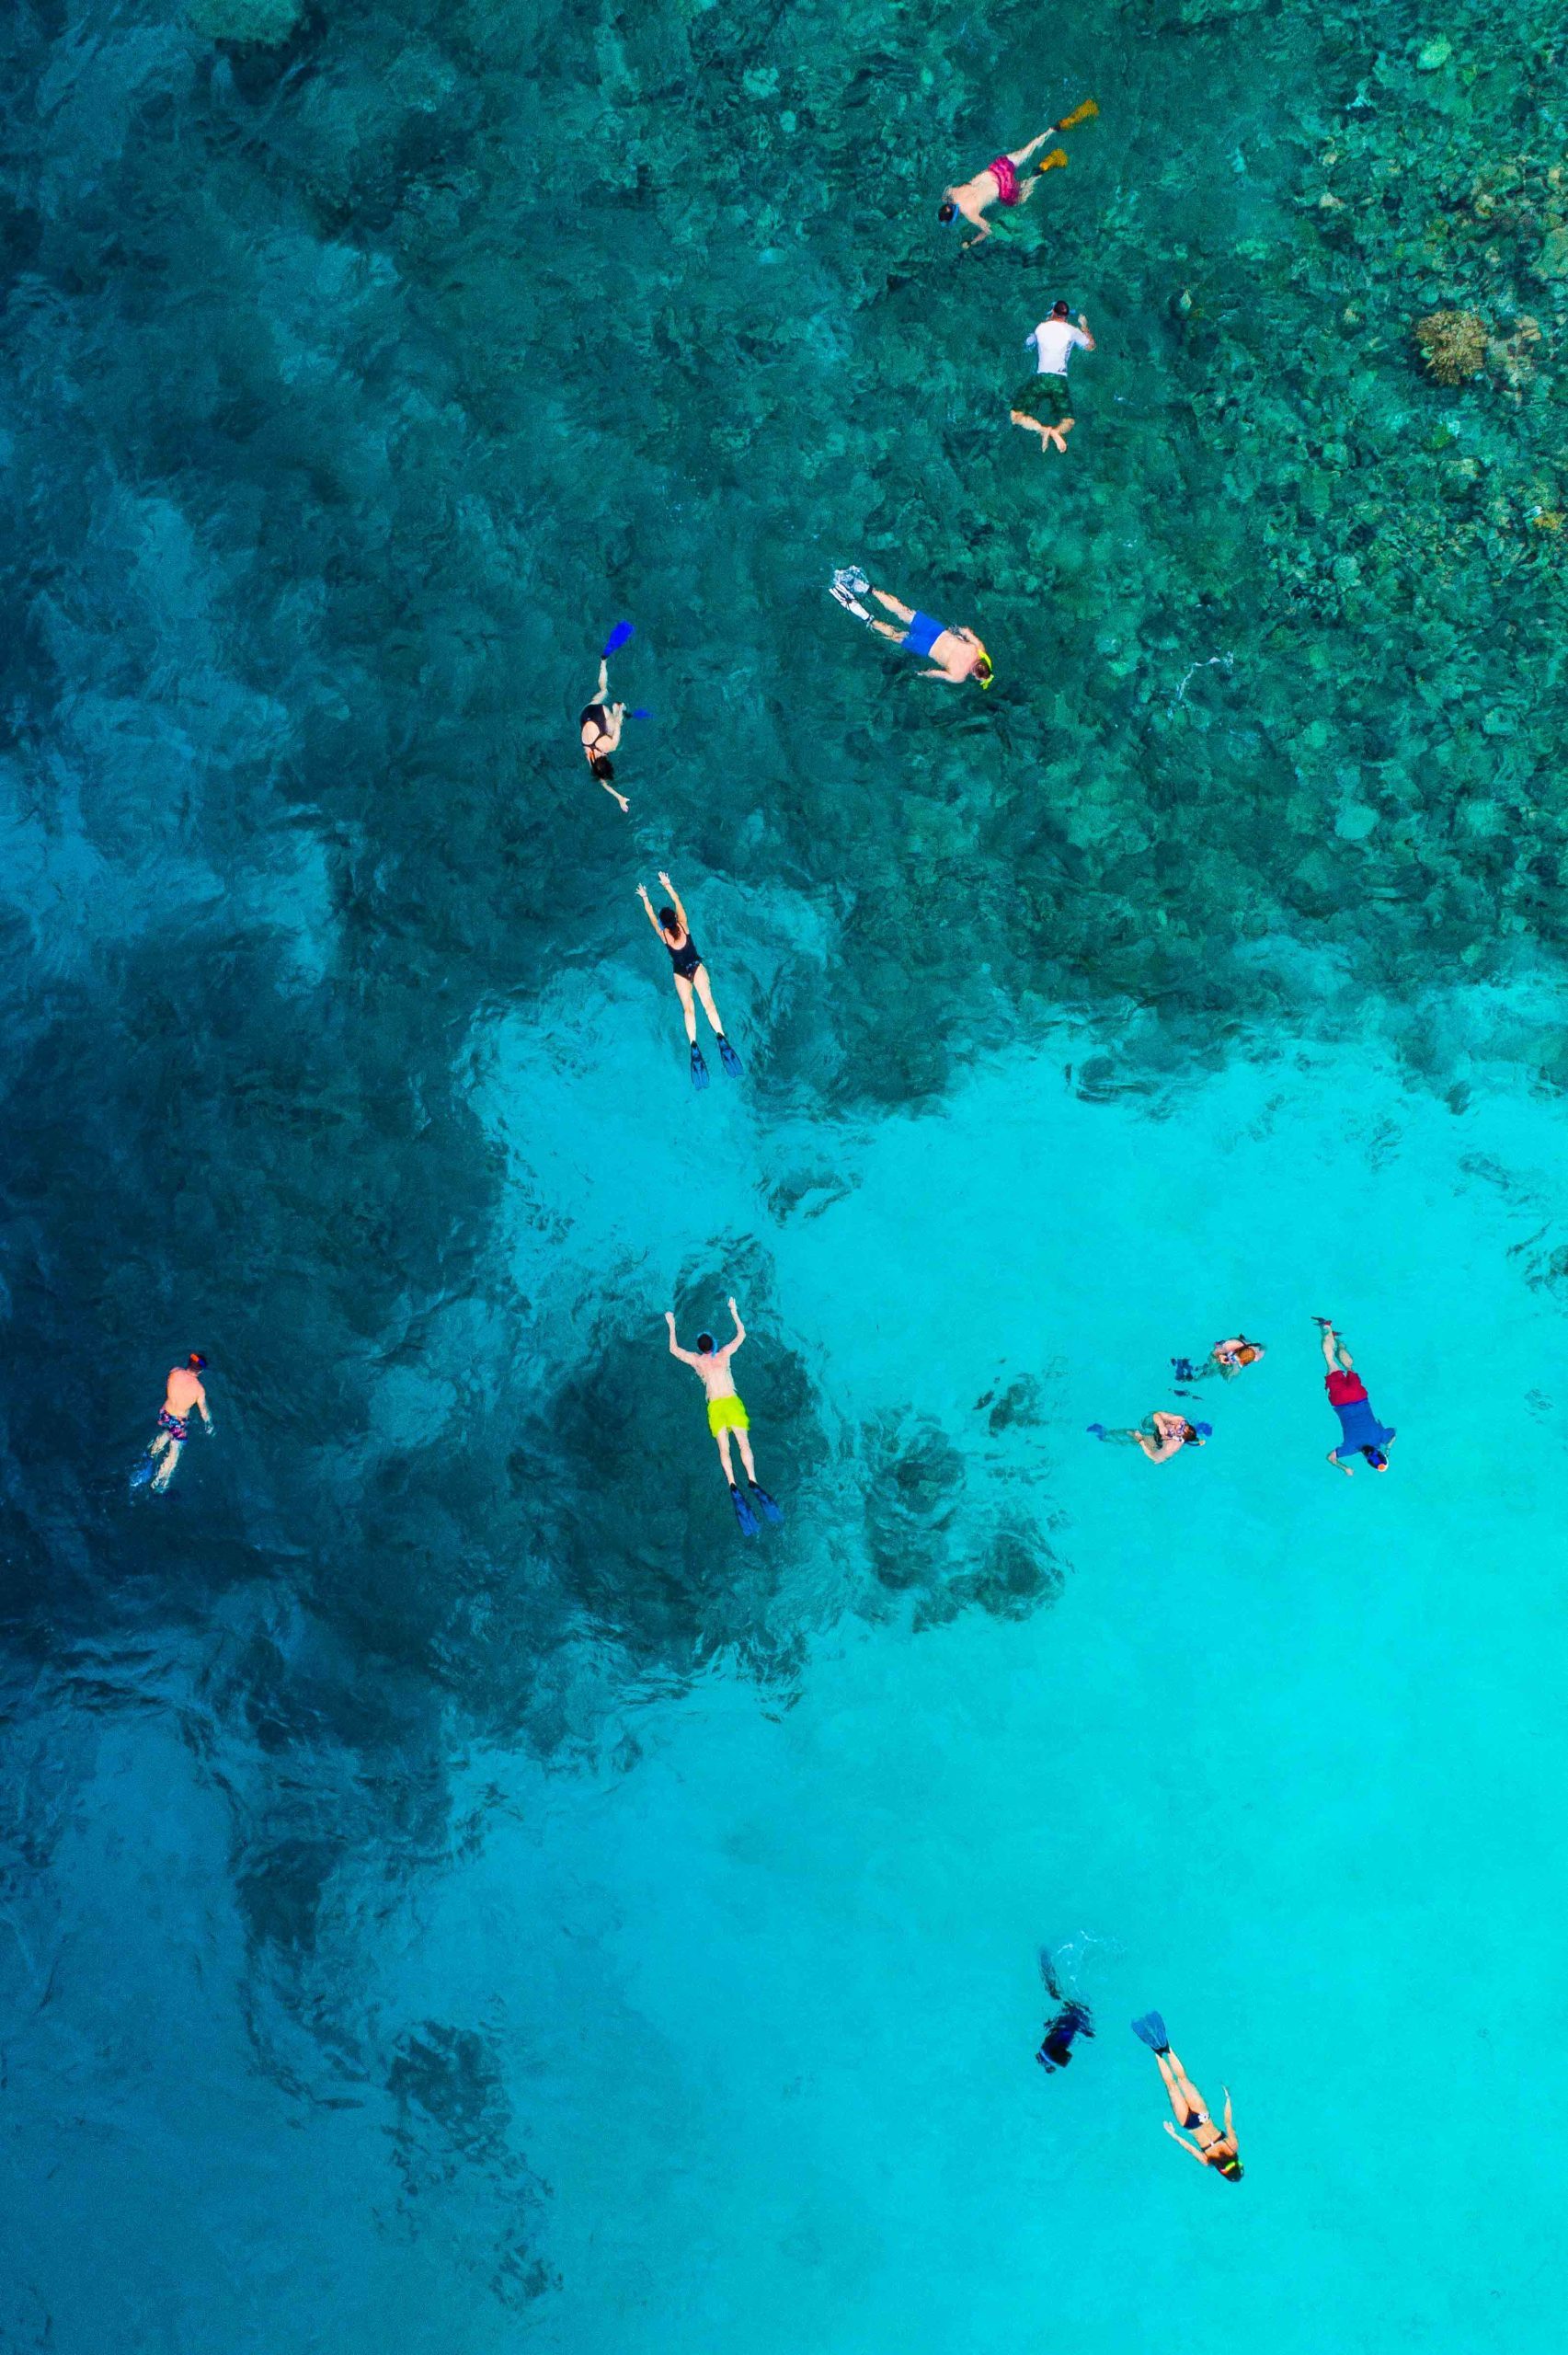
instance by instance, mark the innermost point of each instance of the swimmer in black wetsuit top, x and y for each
(1073, 2019)
(690, 981)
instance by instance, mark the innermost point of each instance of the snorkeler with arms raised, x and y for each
(183, 1396)
(726, 1414)
(690, 977)
(1213, 2149)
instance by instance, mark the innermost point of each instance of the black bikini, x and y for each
(600, 716)
(686, 958)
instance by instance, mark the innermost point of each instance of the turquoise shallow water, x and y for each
(454, 1893)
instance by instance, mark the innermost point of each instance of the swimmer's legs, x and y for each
(1021, 155)
(723, 1438)
(1183, 2086)
(1183, 2092)
(905, 613)
(705, 991)
(1052, 436)
(683, 991)
(170, 1450)
(746, 1456)
(1336, 1354)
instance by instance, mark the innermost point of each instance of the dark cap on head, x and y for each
(704, 1344)
(1058, 310)
(945, 211)
(195, 1362)
(669, 920)
(600, 766)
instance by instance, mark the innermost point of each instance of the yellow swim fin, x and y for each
(1048, 163)
(1085, 113)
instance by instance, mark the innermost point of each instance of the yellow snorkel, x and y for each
(983, 670)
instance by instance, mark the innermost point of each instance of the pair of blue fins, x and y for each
(744, 1514)
(727, 1056)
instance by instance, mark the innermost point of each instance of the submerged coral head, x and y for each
(1454, 343)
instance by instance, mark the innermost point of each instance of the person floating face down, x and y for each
(1361, 1432)
(1000, 184)
(1213, 2149)
(727, 1416)
(599, 724)
(183, 1396)
(690, 981)
(954, 654)
(1043, 404)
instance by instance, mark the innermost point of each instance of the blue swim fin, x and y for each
(743, 1512)
(1152, 2028)
(1097, 1431)
(641, 714)
(142, 1475)
(617, 639)
(728, 1057)
(770, 1510)
(699, 1068)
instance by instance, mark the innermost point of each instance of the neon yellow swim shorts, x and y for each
(728, 1415)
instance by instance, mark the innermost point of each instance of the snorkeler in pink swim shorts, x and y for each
(1000, 184)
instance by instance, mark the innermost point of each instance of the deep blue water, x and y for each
(456, 1893)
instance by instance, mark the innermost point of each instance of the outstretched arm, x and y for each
(1229, 2126)
(739, 1327)
(676, 1351)
(1182, 2139)
(675, 903)
(648, 910)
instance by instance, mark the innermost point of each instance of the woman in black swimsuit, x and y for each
(690, 981)
(600, 727)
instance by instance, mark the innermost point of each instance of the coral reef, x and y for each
(1454, 344)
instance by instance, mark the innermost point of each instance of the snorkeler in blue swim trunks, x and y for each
(1361, 1432)
(954, 654)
